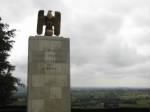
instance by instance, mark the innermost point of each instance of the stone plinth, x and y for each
(49, 74)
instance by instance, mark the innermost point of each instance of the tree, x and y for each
(7, 81)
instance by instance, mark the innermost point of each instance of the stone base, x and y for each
(49, 74)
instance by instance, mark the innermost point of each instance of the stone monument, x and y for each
(49, 68)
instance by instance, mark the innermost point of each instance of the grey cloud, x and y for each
(114, 53)
(90, 35)
(120, 54)
(96, 24)
(16, 10)
(142, 39)
(141, 16)
(96, 51)
(48, 5)
(126, 6)
(95, 47)
(20, 70)
(140, 69)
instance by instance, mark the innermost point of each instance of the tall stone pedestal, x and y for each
(49, 74)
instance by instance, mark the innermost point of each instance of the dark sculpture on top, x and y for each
(51, 22)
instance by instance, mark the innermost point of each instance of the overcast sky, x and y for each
(109, 38)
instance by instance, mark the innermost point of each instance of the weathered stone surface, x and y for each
(39, 104)
(49, 74)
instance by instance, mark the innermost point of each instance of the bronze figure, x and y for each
(51, 22)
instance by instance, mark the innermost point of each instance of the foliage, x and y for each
(7, 81)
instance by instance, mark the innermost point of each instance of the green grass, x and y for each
(143, 103)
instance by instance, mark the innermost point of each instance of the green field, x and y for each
(110, 98)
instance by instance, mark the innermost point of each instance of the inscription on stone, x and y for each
(49, 58)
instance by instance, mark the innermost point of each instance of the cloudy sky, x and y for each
(109, 39)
